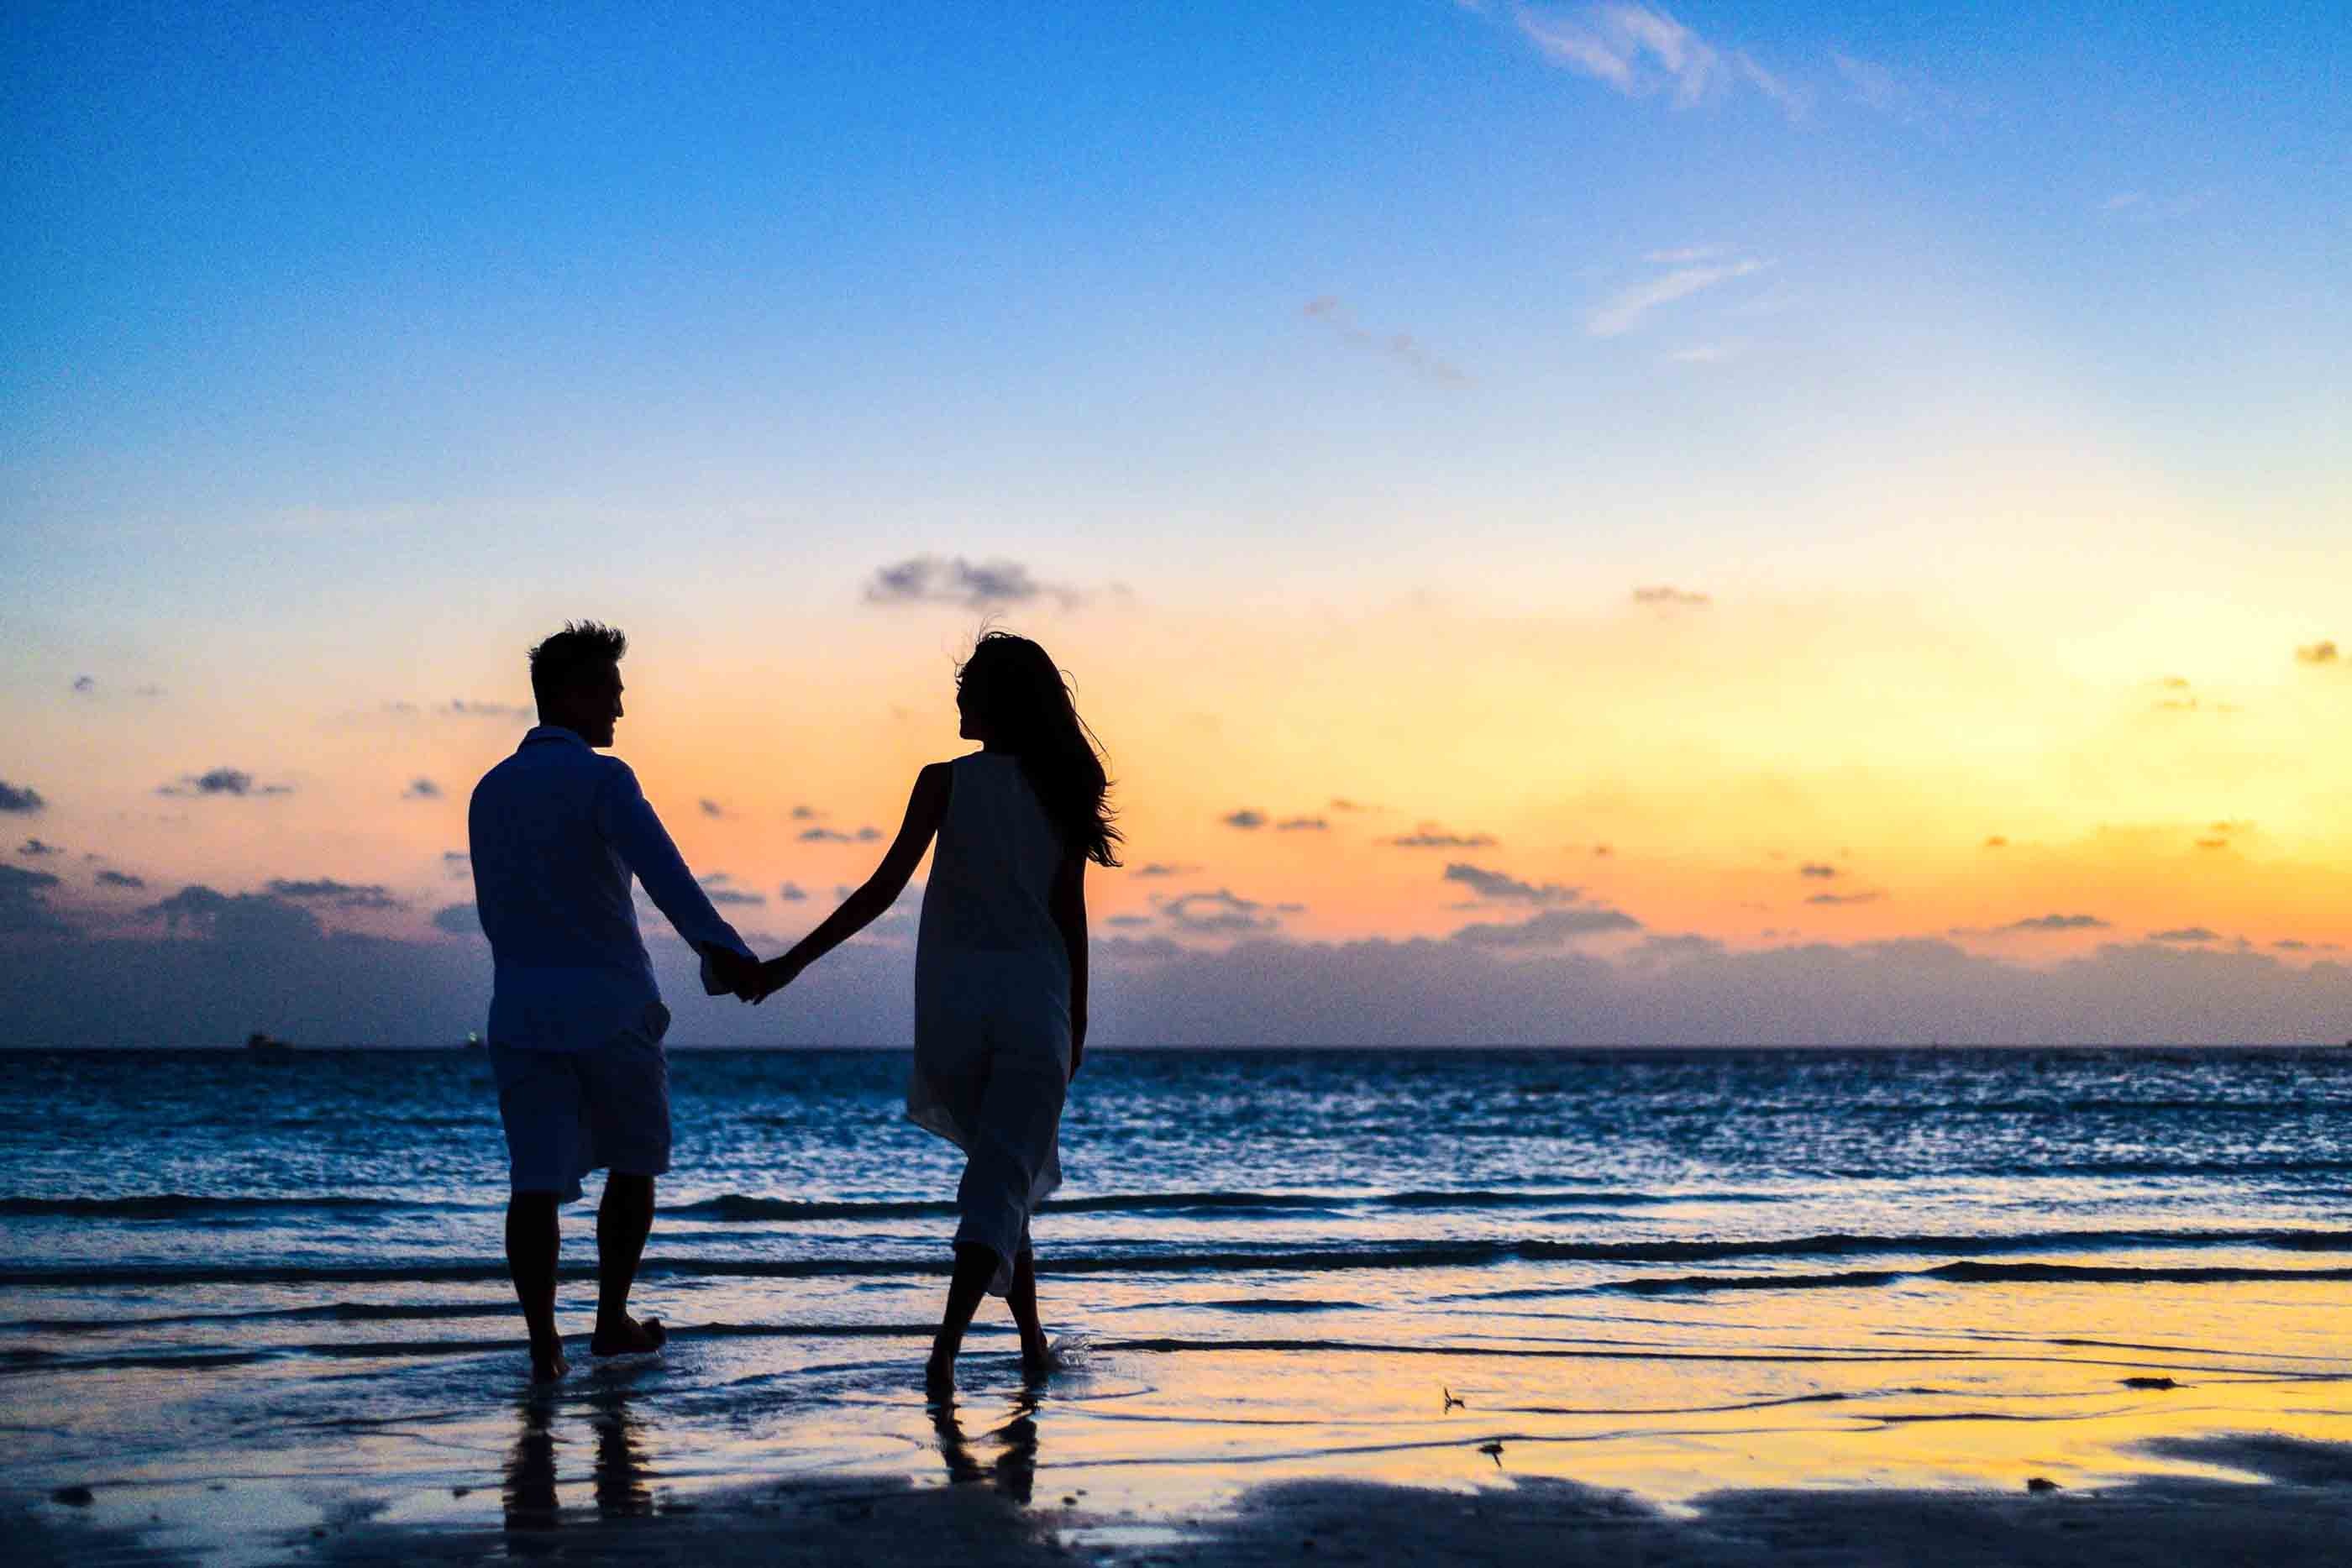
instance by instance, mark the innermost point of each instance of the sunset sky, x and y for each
(1727, 523)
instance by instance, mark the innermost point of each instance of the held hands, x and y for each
(776, 973)
(738, 972)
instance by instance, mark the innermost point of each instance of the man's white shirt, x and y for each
(557, 832)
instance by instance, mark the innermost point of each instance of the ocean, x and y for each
(278, 1273)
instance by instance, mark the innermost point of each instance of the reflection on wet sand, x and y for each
(620, 1477)
(1014, 1468)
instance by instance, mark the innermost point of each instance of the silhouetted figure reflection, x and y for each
(1000, 965)
(620, 1471)
(530, 1491)
(1014, 1468)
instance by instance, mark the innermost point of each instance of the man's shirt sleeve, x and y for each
(628, 823)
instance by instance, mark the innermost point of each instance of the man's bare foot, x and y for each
(632, 1338)
(547, 1363)
(939, 1373)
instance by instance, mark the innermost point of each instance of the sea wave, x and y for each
(1277, 1257)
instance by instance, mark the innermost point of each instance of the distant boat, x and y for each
(258, 1040)
(473, 1042)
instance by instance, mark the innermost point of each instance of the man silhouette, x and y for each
(576, 1021)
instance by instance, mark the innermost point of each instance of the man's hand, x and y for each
(738, 973)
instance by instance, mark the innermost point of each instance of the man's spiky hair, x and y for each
(582, 649)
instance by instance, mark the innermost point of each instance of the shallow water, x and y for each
(1654, 1269)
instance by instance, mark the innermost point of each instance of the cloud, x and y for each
(1905, 95)
(341, 894)
(1817, 869)
(36, 849)
(421, 790)
(1663, 597)
(1342, 803)
(1218, 913)
(1996, 842)
(793, 892)
(22, 802)
(1302, 825)
(1502, 888)
(453, 862)
(1243, 818)
(711, 808)
(864, 835)
(1128, 920)
(718, 887)
(805, 813)
(2057, 923)
(1624, 311)
(1398, 347)
(24, 903)
(85, 684)
(120, 879)
(1639, 50)
(458, 920)
(1164, 867)
(1845, 898)
(982, 585)
(2185, 934)
(244, 918)
(2291, 945)
(461, 707)
(2321, 653)
(1549, 928)
(1431, 836)
(232, 781)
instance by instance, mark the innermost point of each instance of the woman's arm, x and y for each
(926, 808)
(1069, 907)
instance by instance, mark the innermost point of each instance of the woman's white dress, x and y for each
(993, 1002)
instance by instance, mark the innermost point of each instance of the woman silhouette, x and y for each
(1000, 964)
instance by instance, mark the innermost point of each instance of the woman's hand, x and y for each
(777, 973)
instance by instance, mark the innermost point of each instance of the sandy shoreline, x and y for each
(2286, 1499)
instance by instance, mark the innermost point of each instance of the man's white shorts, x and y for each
(568, 1113)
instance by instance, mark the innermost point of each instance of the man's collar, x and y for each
(553, 732)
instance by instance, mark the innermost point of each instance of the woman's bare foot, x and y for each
(630, 1338)
(1038, 1361)
(547, 1363)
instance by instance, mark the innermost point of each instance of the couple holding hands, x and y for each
(576, 1022)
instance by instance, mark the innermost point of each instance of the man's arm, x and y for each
(628, 820)
(1068, 903)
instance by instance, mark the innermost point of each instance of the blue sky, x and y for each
(1339, 371)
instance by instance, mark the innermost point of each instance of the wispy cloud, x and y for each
(340, 894)
(2321, 653)
(1399, 346)
(232, 781)
(421, 790)
(37, 849)
(1909, 95)
(21, 801)
(1302, 825)
(1244, 818)
(1667, 597)
(1165, 868)
(2057, 923)
(1221, 913)
(1502, 887)
(1431, 836)
(1624, 311)
(864, 835)
(2186, 934)
(967, 584)
(122, 879)
(1641, 51)
(1833, 898)
(1549, 929)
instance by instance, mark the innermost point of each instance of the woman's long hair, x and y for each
(1014, 696)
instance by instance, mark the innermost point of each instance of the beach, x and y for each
(1624, 1306)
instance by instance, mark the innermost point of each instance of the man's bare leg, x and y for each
(624, 1219)
(533, 1242)
(974, 1266)
(1037, 1356)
